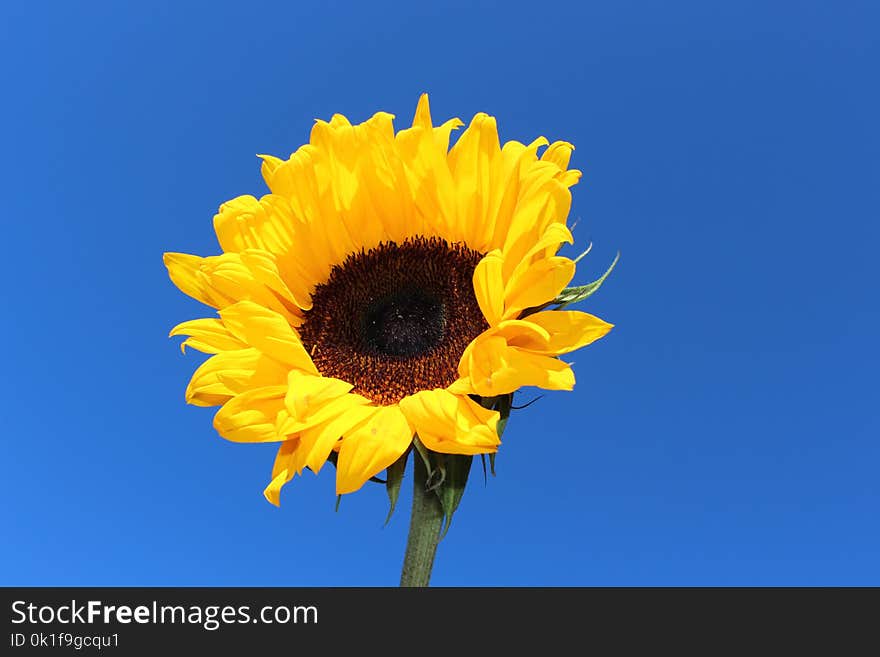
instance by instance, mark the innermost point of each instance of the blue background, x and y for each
(725, 433)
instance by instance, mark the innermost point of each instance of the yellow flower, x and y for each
(385, 283)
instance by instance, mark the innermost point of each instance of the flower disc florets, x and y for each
(395, 320)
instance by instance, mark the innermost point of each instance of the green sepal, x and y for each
(437, 475)
(393, 481)
(448, 473)
(578, 293)
(457, 468)
(503, 404)
(425, 453)
(446, 476)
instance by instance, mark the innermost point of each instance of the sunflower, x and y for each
(389, 287)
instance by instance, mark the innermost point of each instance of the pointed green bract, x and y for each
(436, 471)
(424, 453)
(447, 474)
(503, 404)
(458, 467)
(578, 293)
(393, 481)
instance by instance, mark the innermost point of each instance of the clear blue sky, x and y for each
(726, 432)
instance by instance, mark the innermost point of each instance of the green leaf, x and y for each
(458, 467)
(393, 481)
(578, 293)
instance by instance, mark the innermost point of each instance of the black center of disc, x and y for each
(406, 323)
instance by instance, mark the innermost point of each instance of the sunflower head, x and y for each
(389, 291)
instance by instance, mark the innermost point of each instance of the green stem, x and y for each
(424, 529)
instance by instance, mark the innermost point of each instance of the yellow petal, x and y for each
(523, 334)
(228, 275)
(312, 400)
(272, 492)
(495, 368)
(568, 330)
(207, 335)
(250, 417)
(229, 373)
(539, 284)
(486, 364)
(489, 286)
(472, 162)
(537, 210)
(461, 386)
(559, 153)
(186, 273)
(311, 449)
(383, 200)
(282, 471)
(451, 424)
(570, 178)
(423, 148)
(422, 119)
(548, 244)
(248, 223)
(269, 332)
(220, 281)
(264, 267)
(371, 447)
(306, 391)
(423, 113)
(300, 180)
(516, 158)
(317, 442)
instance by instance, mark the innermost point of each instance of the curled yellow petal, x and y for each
(229, 373)
(523, 334)
(312, 400)
(187, 273)
(282, 471)
(251, 416)
(559, 153)
(207, 335)
(495, 368)
(451, 424)
(538, 285)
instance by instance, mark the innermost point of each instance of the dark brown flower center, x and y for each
(395, 320)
